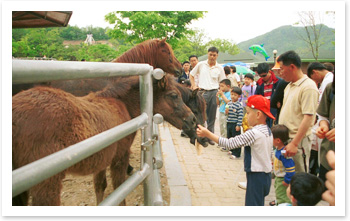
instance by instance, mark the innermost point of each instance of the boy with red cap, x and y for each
(258, 143)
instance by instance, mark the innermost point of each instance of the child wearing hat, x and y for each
(258, 143)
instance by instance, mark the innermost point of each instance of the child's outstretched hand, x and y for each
(202, 131)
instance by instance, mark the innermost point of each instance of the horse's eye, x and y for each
(174, 96)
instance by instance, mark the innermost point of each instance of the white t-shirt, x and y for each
(238, 78)
(328, 78)
(208, 77)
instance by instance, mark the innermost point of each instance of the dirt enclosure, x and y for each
(79, 190)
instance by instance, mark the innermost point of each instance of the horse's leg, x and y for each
(21, 199)
(48, 192)
(118, 170)
(100, 184)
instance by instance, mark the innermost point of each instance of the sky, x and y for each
(235, 21)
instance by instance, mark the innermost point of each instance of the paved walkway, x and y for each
(212, 178)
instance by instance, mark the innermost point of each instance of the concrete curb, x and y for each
(179, 193)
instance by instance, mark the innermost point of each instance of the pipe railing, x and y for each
(42, 71)
(31, 174)
(24, 71)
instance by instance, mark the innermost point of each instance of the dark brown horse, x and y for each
(195, 101)
(46, 120)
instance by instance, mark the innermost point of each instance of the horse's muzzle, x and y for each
(203, 141)
(189, 127)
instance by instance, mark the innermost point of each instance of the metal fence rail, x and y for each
(24, 71)
(41, 71)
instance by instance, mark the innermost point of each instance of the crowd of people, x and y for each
(287, 119)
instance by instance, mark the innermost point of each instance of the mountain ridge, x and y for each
(286, 38)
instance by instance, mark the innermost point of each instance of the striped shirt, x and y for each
(235, 113)
(258, 148)
(242, 140)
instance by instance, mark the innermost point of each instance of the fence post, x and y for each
(146, 95)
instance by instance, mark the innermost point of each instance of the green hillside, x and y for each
(286, 38)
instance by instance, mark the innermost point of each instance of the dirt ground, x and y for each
(79, 190)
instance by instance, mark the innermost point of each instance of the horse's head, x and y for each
(198, 106)
(156, 53)
(168, 102)
(166, 59)
(195, 101)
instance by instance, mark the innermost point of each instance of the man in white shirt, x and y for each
(322, 77)
(318, 73)
(209, 73)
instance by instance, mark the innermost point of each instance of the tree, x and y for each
(72, 33)
(191, 45)
(224, 45)
(101, 53)
(198, 44)
(312, 31)
(37, 43)
(138, 26)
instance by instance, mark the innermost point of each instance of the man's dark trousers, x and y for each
(210, 99)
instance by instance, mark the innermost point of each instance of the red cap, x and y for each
(260, 103)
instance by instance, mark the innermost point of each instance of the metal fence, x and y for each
(41, 71)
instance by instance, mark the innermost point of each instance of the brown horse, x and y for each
(46, 120)
(156, 53)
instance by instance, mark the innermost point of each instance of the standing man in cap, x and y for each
(277, 97)
(209, 73)
(299, 109)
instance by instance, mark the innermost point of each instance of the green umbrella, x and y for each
(243, 70)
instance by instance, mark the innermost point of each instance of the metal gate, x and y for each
(24, 71)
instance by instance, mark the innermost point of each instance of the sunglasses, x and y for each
(262, 76)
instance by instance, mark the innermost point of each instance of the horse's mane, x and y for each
(186, 94)
(145, 52)
(119, 87)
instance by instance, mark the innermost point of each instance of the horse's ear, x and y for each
(194, 92)
(163, 41)
(162, 83)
